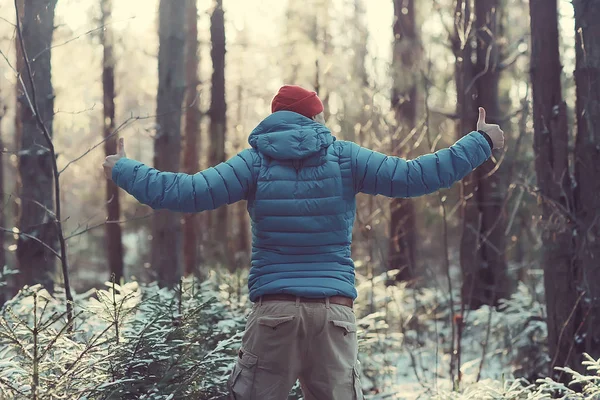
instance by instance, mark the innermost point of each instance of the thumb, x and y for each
(121, 147)
(481, 116)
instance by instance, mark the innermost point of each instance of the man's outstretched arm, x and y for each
(225, 183)
(375, 173)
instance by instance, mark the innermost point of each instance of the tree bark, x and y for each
(35, 262)
(483, 259)
(552, 170)
(114, 243)
(587, 171)
(218, 123)
(166, 237)
(403, 227)
(191, 163)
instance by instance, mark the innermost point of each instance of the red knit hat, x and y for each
(297, 99)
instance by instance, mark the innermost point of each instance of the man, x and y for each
(300, 184)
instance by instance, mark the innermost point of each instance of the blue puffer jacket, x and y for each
(301, 184)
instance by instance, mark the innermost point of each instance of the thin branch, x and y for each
(75, 38)
(76, 112)
(444, 236)
(33, 238)
(124, 124)
(89, 228)
(8, 22)
(118, 129)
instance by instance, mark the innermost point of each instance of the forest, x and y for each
(487, 289)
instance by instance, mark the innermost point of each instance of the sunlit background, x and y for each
(259, 56)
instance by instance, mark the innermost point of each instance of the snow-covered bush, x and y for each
(407, 338)
(129, 342)
(144, 342)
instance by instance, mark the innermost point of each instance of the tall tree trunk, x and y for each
(483, 259)
(403, 228)
(587, 172)
(36, 263)
(3, 204)
(166, 238)
(191, 163)
(551, 138)
(114, 244)
(218, 122)
(18, 123)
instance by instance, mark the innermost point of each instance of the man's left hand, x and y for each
(111, 161)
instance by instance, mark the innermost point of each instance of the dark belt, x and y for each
(339, 300)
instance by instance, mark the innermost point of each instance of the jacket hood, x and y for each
(286, 135)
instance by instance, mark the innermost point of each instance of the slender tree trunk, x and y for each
(403, 228)
(191, 163)
(218, 123)
(36, 263)
(114, 244)
(166, 237)
(3, 291)
(483, 259)
(18, 123)
(242, 220)
(587, 173)
(552, 170)
(464, 74)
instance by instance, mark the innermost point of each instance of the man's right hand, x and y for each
(493, 130)
(111, 161)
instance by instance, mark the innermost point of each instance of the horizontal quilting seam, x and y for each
(316, 286)
(298, 180)
(302, 263)
(299, 232)
(318, 253)
(295, 200)
(302, 232)
(312, 245)
(301, 215)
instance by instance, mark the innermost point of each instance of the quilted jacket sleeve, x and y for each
(226, 183)
(375, 173)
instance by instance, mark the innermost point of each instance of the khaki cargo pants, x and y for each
(285, 341)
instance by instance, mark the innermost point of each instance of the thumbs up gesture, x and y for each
(493, 130)
(110, 161)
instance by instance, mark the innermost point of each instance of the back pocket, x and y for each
(345, 327)
(275, 322)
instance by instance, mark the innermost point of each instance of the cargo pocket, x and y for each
(275, 322)
(358, 393)
(241, 382)
(345, 327)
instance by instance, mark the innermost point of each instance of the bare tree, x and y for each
(552, 170)
(191, 163)
(482, 250)
(587, 173)
(114, 243)
(35, 26)
(218, 122)
(403, 227)
(166, 232)
(36, 261)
